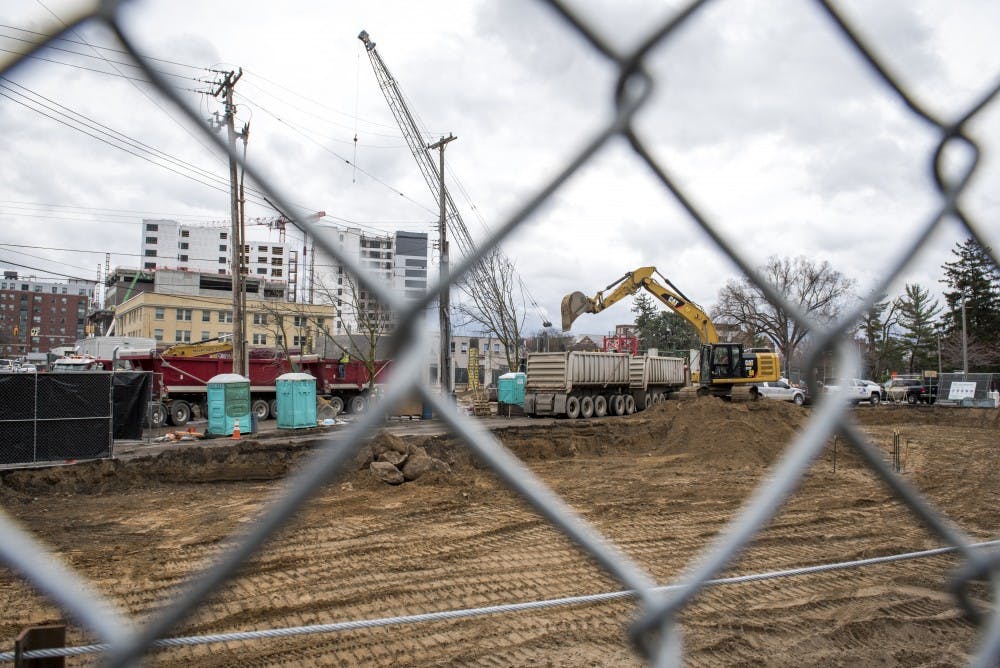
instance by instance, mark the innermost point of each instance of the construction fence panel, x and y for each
(977, 390)
(655, 630)
(55, 416)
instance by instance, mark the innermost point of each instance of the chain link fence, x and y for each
(655, 630)
(55, 417)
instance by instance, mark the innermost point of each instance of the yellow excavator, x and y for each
(724, 369)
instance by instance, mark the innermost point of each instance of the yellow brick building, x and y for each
(175, 318)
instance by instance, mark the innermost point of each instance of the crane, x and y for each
(421, 153)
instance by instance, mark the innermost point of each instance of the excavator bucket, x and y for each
(573, 306)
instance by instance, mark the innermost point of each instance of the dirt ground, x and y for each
(660, 484)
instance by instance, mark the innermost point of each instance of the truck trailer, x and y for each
(594, 384)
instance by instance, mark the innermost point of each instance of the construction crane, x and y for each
(421, 153)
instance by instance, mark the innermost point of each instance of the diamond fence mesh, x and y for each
(655, 630)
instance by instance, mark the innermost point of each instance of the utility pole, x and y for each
(444, 363)
(965, 340)
(236, 238)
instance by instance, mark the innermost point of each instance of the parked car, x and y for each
(856, 390)
(910, 390)
(27, 368)
(782, 391)
(6, 366)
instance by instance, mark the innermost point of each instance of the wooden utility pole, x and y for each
(444, 362)
(236, 236)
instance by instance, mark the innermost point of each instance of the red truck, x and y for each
(180, 382)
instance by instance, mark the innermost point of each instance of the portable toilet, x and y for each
(228, 404)
(510, 388)
(296, 397)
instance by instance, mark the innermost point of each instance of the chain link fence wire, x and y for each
(655, 631)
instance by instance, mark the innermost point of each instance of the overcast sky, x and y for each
(766, 117)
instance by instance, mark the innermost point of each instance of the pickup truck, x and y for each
(910, 390)
(856, 390)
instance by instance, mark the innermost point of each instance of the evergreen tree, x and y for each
(917, 320)
(664, 330)
(974, 275)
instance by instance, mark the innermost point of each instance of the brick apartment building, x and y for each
(39, 315)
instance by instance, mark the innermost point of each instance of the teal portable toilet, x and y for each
(296, 397)
(510, 388)
(228, 404)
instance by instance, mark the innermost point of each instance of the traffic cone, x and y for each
(236, 430)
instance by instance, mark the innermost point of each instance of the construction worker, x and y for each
(342, 367)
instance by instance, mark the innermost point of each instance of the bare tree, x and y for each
(876, 328)
(818, 289)
(490, 302)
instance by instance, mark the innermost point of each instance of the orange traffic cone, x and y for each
(236, 430)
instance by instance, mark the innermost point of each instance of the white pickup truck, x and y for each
(856, 390)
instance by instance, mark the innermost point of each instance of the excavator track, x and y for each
(689, 393)
(743, 394)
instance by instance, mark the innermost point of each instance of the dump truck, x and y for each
(580, 384)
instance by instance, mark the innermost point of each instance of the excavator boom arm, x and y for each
(576, 304)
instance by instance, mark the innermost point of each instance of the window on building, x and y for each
(222, 260)
(182, 336)
(223, 235)
(222, 271)
(152, 227)
(279, 340)
(299, 321)
(149, 265)
(262, 249)
(184, 314)
(158, 313)
(184, 245)
(496, 347)
(225, 316)
(260, 318)
(185, 233)
(205, 336)
(277, 250)
(465, 348)
(150, 252)
(260, 339)
(276, 273)
(262, 270)
(206, 316)
(158, 334)
(276, 261)
(452, 346)
(150, 240)
(298, 340)
(223, 247)
(182, 258)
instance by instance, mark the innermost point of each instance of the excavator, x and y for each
(725, 369)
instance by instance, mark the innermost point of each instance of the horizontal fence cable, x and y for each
(466, 613)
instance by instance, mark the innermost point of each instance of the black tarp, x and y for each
(131, 396)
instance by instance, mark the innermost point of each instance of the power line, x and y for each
(96, 46)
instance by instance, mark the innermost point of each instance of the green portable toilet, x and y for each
(510, 388)
(228, 404)
(296, 397)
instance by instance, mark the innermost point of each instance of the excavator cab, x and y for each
(721, 361)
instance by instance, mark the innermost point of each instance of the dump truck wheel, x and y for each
(337, 404)
(629, 404)
(273, 408)
(572, 407)
(260, 408)
(600, 406)
(358, 404)
(587, 407)
(617, 404)
(180, 413)
(156, 415)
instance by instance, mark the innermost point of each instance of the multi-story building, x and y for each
(400, 260)
(167, 244)
(187, 306)
(39, 315)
